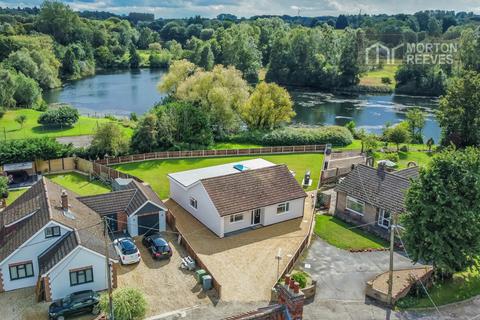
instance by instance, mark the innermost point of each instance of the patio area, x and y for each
(244, 264)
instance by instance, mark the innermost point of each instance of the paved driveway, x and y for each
(341, 278)
(341, 275)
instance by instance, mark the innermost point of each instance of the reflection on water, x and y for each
(118, 93)
(370, 112)
(123, 92)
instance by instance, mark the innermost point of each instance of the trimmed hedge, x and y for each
(337, 136)
(32, 149)
(290, 136)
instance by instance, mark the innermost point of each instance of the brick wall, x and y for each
(122, 221)
(48, 290)
(1, 282)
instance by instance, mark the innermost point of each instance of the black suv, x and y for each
(158, 247)
(75, 303)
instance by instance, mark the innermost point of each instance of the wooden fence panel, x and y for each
(210, 153)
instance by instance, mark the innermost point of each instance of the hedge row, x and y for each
(13, 151)
(337, 136)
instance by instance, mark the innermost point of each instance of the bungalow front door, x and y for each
(256, 215)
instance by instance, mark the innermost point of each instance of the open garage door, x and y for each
(148, 223)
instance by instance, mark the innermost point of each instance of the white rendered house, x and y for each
(240, 195)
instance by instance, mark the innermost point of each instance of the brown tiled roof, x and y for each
(45, 197)
(88, 224)
(377, 187)
(109, 203)
(411, 172)
(127, 200)
(251, 189)
(57, 252)
(33, 200)
(148, 193)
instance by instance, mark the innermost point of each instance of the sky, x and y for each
(247, 8)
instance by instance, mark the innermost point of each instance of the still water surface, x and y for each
(123, 92)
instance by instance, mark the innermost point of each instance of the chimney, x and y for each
(64, 197)
(290, 295)
(381, 170)
(296, 287)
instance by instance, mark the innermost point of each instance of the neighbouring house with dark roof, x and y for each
(369, 196)
(237, 196)
(54, 240)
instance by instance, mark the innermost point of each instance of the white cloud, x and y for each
(210, 8)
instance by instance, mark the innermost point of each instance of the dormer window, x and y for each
(52, 232)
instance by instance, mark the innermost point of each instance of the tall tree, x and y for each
(459, 111)
(268, 107)
(134, 57)
(144, 137)
(443, 212)
(416, 122)
(206, 58)
(342, 22)
(398, 134)
(109, 139)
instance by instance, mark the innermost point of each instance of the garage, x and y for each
(148, 222)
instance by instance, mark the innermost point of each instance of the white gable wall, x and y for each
(205, 212)
(296, 211)
(28, 252)
(81, 257)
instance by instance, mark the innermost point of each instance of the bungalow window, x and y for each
(384, 219)
(81, 276)
(236, 218)
(283, 207)
(355, 206)
(51, 232)
(193, 202)
(21, 270)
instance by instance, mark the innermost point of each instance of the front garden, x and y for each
(345, 236)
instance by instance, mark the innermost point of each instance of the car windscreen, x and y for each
(128, 247)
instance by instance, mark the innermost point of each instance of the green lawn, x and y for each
(337, 233)
(79, 183)
(420, 158)
(9, 129)
(374, 77)
(462, 286)
(155, 171)
(14, 194)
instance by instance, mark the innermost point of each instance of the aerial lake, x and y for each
(122, 92)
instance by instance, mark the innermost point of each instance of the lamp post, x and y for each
(278, 257)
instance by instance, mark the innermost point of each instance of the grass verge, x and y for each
(462, 286)
(337, 233)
